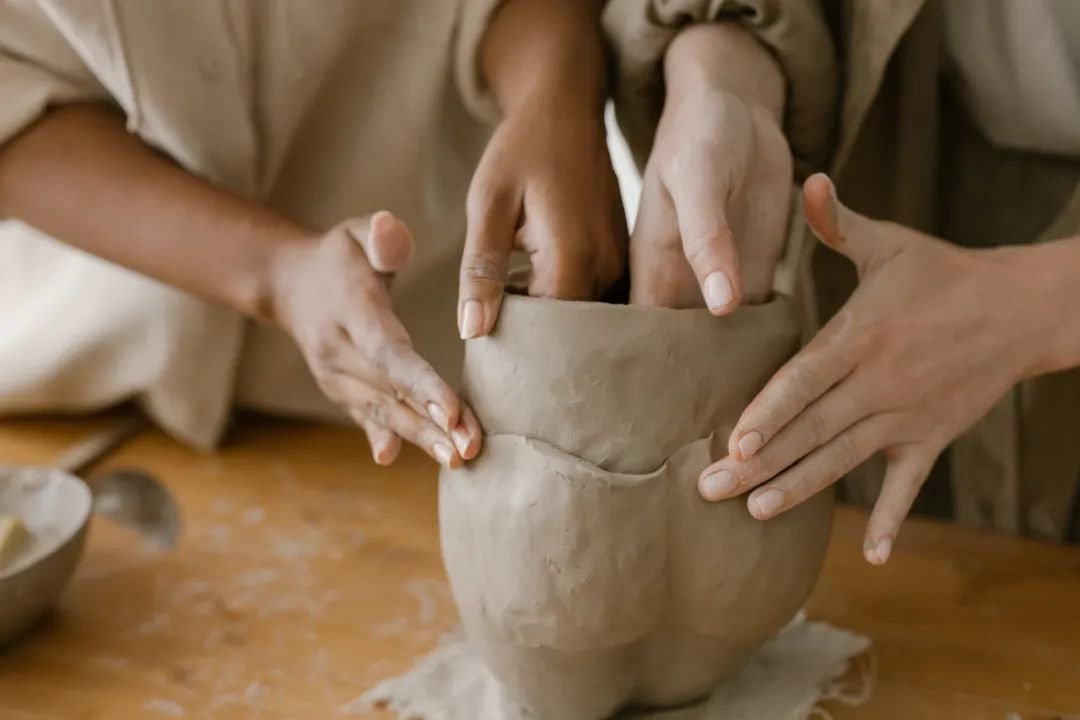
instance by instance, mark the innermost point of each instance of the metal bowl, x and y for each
(55, 507)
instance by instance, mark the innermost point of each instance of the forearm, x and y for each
(1052, 305)
(723, 57)
(544, 53)
(79, 176)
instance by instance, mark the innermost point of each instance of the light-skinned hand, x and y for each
(332, 297)
(717, 186)
(934, 335)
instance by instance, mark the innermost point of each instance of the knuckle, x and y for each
(845, 456)
(753, 471)
(818, 427)
(414, 387)
(873, 340)
(376, 411)
(481, 269)
(703, 249)
(326, 351)
(386, 356)
(801, 380)
(566, 272)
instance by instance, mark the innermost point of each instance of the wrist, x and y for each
(546, 56)
(723, 58)
(264, 296)
(1049, 271)
(547, 110)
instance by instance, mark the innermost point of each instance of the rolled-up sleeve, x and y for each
(473, 21)
(795, 31)
(38, 69)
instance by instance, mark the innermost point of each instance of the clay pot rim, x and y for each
(776, 298)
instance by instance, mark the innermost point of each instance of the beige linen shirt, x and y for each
(321, 110)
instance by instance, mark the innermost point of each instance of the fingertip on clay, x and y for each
(716, 485)
(766, 503)
(464, 443)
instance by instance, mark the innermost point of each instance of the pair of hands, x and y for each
(902, 368)
(933, 336)
(545, 185)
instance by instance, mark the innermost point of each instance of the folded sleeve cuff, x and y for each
(795, 31)
(473, 23)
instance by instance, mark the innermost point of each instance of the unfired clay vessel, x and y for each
(589, 573)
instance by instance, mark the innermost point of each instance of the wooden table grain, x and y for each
(306, 574)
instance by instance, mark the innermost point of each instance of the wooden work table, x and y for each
(306, 574)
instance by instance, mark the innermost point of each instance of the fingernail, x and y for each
(443, 454)
(718, 292)
(472, 320)
(717, 485)
(749, 444)
(878, 553)
(438, 416)
(767, 502)
(460, 436)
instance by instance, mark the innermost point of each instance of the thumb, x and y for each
(843, 230)
(386, 241)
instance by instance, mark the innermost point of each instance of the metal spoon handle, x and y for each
(86, 453)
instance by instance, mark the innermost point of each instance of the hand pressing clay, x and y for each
(13, 539)
(589, 574)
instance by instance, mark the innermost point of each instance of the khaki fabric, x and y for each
(320, 110)
(903, 151)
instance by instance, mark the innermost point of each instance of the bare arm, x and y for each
(78, 175)
(538, 51)
(545, 184)
(717, 186)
